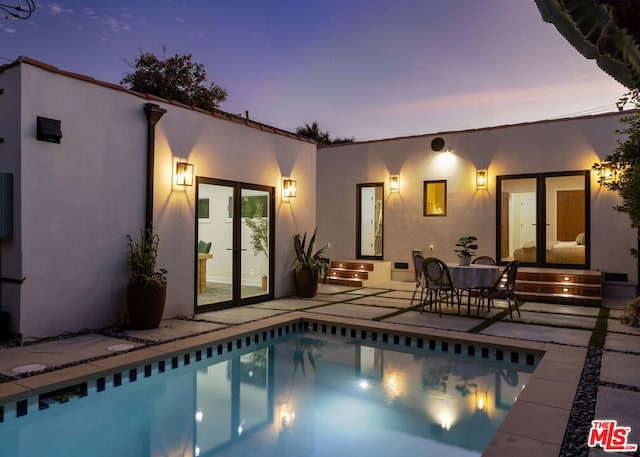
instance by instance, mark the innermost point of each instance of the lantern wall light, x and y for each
(394, 183)
(289, 188)
(481, 179)
(184, 174)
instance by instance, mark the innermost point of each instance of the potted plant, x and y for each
(309, 265)
(147, 288)
(467, 249)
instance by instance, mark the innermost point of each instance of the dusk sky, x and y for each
(367, 69)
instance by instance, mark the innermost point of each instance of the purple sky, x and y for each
(364, 68)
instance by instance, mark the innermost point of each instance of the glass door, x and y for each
(543, 219)
(234, 236)
(370, 214)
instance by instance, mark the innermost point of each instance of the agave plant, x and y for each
(306, 258)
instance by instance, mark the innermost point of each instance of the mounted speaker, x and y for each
(437, 144)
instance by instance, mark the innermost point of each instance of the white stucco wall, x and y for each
(566, 145)
(229, 151)
(80, 198)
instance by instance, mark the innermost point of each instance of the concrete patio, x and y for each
(563, 331)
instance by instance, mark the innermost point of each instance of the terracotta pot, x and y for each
(145, 305)
(306, 283)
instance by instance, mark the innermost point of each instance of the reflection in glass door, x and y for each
(234, 243)
(370, 213)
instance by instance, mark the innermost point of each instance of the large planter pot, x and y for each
(306, 283)
(145, 305)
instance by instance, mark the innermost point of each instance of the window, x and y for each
(435, 198)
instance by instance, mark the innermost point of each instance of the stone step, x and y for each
(558, 285)
(358, 273)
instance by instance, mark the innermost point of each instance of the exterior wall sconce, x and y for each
(606, 172)
(481, 179)
(289, 188)
(184, 174)
(394, 183)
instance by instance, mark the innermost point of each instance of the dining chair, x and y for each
(505, 287)
(417, 265)
(484, 260)
(477, 293)
(437, 282)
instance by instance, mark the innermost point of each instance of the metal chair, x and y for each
(437, 281)
(484, 260)
(505, 287)
(417, 264)
(477, 293)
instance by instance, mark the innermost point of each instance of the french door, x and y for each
(234, 243)
(543, 219)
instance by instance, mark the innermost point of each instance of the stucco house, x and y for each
(83, 163)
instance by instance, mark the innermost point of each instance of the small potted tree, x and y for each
(467, 249)
(147, 288)
(309, 265)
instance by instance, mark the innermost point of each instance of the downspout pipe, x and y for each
(153, 113)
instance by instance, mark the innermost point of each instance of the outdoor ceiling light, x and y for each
(184, 174)
(289, 188)
(481, 179)
(394, 183)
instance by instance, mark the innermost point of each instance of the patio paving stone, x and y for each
(614, 325)
(332, 298)
(395, 285)
(621, 342)
(401, 294)
(561, 309)
(623, 406)
(432, 320)
(289, 304)
(350, 310)
(239, 315)
(332, 288)
(561, 320)
(365, 291)
(620, 369)
(59, 352)
(382, 301)
(170, 329)
(539, 333)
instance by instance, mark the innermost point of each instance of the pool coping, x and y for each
(535, 425)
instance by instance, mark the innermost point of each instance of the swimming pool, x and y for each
(327, 391)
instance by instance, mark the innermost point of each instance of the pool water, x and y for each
(305, 395)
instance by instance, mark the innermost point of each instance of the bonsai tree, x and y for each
(143, 260)
(467, 246)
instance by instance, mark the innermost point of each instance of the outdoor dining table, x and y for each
(474, 276)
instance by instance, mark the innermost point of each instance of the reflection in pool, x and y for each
(305, 395)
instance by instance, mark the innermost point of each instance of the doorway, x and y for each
(370, 223)
(544, 219)
(234, 243)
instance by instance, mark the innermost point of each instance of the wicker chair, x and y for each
(417, 264)
(437, 282)
(505, 287)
